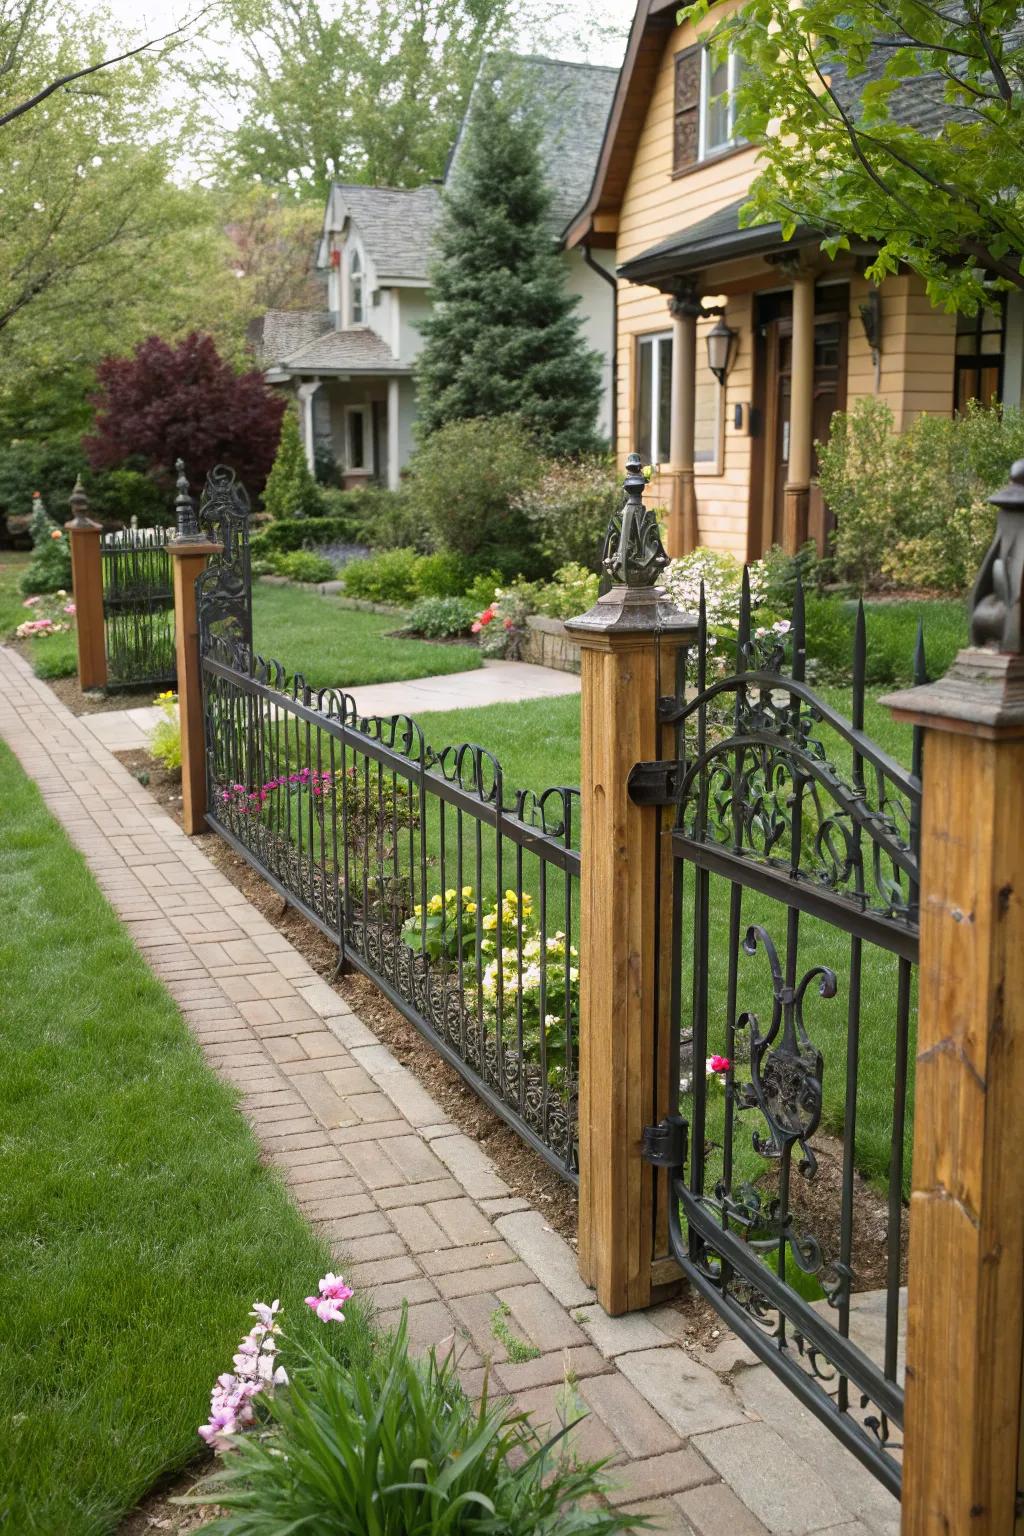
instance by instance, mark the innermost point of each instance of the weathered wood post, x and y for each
(189, 551)
(629, 634)
(87, 589)
(965, 1335)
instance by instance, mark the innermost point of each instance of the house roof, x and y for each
(280, 332)
(716, 238)
(396, 225)
(355, 350)
(572, 101)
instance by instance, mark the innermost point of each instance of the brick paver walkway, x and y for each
(416, 1210)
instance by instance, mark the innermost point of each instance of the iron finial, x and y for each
(633, 553)
(78, 501)
(995, 606)
(185, 507)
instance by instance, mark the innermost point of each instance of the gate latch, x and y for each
(665, 1143)
(653, 783)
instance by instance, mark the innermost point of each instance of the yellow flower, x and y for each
(470, 906)
(418, 911)
(467, 890)
(510, 896)
(434, 904)
(449, 895)
(491, 920)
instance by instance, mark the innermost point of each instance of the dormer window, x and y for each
(356, 303)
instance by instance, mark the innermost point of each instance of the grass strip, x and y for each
(139, 1222)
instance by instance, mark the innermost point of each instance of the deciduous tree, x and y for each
(898, 121)
(166, 402)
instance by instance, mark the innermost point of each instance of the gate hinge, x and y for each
(653, 783)
(665, 1143)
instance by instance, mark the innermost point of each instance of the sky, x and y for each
(595, 16)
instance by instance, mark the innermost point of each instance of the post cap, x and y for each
(188, 530)
(78, 501)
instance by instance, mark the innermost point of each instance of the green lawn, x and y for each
(341, 647)
(54, 656)
(138, 1221)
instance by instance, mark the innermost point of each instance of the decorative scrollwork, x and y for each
(785, 1077)
(224, 590)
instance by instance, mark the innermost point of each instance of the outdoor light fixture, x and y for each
(720, 341)
(871, 319)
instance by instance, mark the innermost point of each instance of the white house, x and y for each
(351, 365)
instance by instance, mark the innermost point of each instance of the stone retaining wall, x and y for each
(548, 645)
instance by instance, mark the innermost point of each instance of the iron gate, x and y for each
(795, 936)
(138, 607)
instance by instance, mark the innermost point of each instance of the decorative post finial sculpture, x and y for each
(79, 504)
(633, 553)
(996, 616)
(188, 531)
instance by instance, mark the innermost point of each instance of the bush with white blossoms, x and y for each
(722, 577)
(255, 1371)
(516, 958)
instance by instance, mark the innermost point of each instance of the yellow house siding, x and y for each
(918, 341)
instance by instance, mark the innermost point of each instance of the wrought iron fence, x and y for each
(138, 607)
(795, 923)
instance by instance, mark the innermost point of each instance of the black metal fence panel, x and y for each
(795, 927)
(138, 607)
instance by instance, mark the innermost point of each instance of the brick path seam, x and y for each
(413, 1207)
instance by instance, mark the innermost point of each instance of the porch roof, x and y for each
(357, 350)
(715, 239)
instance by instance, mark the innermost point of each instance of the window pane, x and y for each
(356, 445)
(645, 400)
(664, 398)
(716, 121)
(707, 406)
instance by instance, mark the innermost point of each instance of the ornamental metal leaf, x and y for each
(633, 553)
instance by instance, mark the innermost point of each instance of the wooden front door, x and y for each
(829, 395)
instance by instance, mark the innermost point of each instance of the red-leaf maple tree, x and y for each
(172, 400)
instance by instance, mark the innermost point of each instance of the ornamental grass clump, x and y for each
(393, 1449)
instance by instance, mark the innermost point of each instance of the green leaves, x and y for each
(897, 123)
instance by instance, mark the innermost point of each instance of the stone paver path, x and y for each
(496, 682)
(415, 1209)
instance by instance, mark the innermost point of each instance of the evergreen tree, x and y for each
(503, 338)
(291, 490)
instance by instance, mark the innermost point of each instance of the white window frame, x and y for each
(659, 451)
(703, 152)
(366, 468)
(356, 281)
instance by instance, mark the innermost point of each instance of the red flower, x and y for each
(508, 623)
(720, 1063)
(487, 616)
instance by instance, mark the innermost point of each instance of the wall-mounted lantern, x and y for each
(720, 340)
(871, 319)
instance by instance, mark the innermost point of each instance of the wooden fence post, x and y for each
(965, 1338)
(87, 589)
(631, 632)
(189, 553)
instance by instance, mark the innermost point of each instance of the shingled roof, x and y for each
(572, 102)
(396, 225)
(355, 350)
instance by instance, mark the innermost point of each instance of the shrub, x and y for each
(383, 519)
(468, 480)
(165, 737)
(49, 467)
(441, 617)
(398, 1449)
(910, 507)
(291, 491)
(304, 565)
(573, 590)
(281, 537)
(121, 494)
(388, 577)
(781, 572)
(442, 574)
(569, 508)
(49, 570)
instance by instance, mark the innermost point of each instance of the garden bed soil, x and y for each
(96, 701)
(159, 1511)
(816, 1202)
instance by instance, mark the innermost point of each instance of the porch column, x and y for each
(394, 469)
(305, 393)
(684, 308)
(801, 406)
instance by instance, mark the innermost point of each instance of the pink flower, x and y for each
(327, 1306)
(475, 627)
(719, 1064)
(508, 623)
(69, 608)
(30, 602)
(265, 1314)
